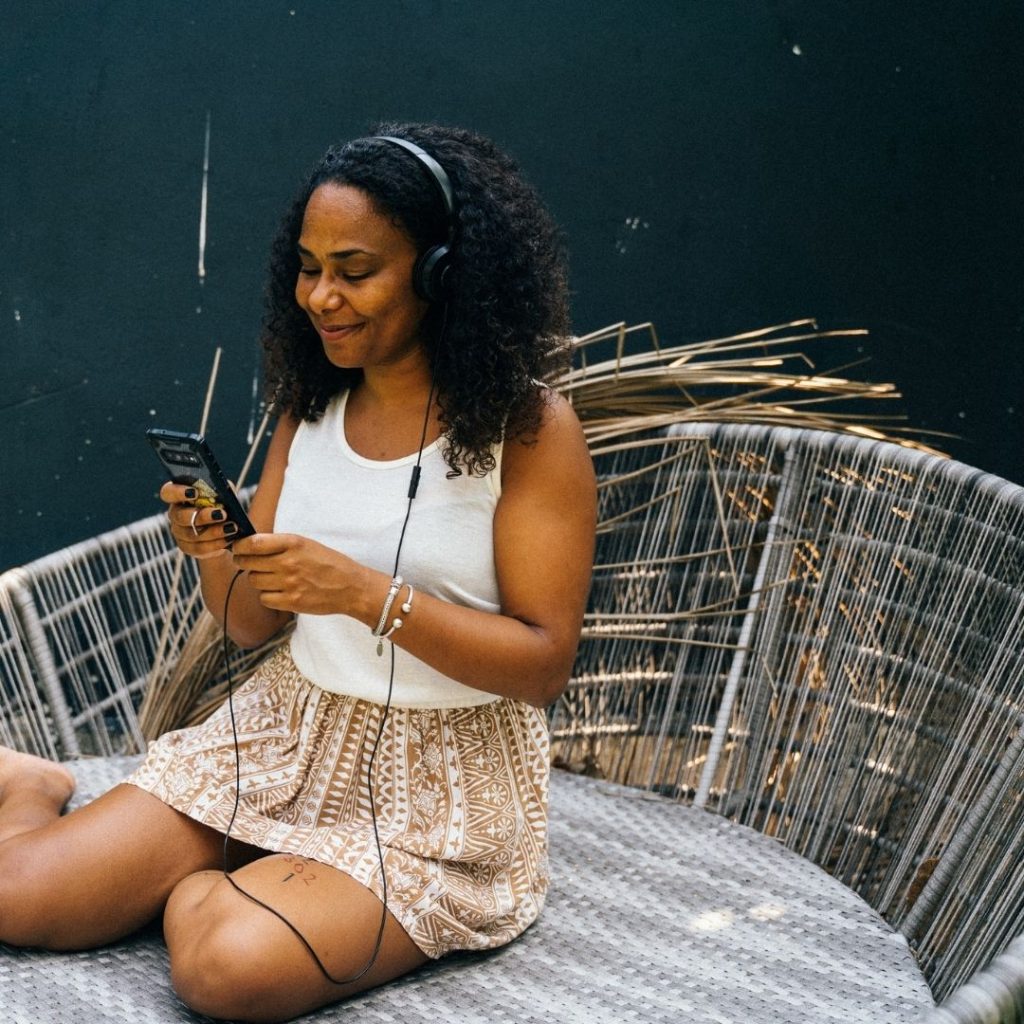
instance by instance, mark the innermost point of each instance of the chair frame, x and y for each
(813, 634)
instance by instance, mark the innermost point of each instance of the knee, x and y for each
(217, 961)
(216, 976)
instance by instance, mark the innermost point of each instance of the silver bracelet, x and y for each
(396, 622)
(406, 606)
(393, 589)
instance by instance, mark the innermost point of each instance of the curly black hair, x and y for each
(506, 325)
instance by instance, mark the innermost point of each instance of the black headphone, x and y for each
(431, 275)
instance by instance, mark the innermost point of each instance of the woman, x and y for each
(405, 326)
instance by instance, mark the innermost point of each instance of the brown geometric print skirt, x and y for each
(460, 794)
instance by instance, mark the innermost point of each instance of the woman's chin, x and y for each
(341, 360)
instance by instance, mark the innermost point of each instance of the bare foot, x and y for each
(48, 778)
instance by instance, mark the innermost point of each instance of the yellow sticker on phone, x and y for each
(205, 494)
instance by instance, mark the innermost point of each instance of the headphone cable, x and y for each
(234, 812)
(413, 487)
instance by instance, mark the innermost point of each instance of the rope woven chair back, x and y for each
(814, 635)
(95, 619)
(25, 720)
(679, 538)
(820, 637)
(115, 622)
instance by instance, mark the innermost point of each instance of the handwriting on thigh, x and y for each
(300, 868)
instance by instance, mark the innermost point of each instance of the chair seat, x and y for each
(657, 913)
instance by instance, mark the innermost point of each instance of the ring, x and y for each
(192, 521)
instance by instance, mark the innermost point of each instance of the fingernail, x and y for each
(217, 514)
(190, 493)
(230, 528)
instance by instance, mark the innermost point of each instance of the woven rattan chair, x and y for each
(793, 733)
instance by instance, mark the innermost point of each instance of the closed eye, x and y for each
(314, 271)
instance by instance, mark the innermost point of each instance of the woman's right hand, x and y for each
(198, 532)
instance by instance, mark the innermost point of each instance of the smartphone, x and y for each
(189, 460)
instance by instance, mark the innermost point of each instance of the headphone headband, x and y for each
(436, 171)
(431, 274)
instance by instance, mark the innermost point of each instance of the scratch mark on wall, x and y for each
(32, 399)
(252, 408)
(202, 202)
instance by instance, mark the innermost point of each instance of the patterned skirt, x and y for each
(460, 797)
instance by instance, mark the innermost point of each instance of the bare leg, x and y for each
(108, 868)
(33, 792)
(232, 959)
(96, 874)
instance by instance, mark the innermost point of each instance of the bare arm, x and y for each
(543, 548)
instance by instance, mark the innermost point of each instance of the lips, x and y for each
(332, 332)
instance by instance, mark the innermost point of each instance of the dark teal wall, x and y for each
(857, 162)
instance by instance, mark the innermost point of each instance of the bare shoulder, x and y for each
(277, 451)
(284, 431)
(557, 447)
(264, 502)
(544, 527)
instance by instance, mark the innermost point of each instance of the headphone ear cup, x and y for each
(431, 274)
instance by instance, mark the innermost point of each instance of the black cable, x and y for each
(413, 486)
(234, 812)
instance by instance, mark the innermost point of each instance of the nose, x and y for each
(324, 295)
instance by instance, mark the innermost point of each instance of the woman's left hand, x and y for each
(296, 574)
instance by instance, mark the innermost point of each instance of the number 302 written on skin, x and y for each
(300, 868)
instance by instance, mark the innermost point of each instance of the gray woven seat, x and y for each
(658, 912)
(800, 683)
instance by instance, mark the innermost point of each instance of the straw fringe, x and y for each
(620, 401)
(770, 379)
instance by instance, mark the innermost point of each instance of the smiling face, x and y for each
(355, 281)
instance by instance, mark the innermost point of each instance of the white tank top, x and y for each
(355, 505)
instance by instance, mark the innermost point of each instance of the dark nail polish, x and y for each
(230, 528)
(217, 514)
(190, 493)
